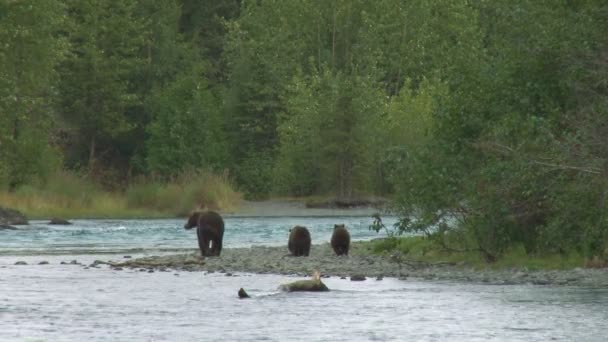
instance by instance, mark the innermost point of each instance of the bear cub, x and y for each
(340, 240)
(299, 241)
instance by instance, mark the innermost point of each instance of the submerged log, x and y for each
(313, 285)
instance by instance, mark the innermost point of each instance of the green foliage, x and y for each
(413, 249)
(511, 159)
(30, 50)
(485, 119)
(97, 88)
(186, 129)
(327, 135)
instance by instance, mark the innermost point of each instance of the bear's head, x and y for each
(192, 220)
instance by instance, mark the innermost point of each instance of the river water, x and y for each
(62, 302)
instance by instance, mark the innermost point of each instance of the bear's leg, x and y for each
(201, 246)
(218, 248)
(203, 243)
(214, 247)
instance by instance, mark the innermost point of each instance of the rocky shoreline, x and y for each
(359, 265)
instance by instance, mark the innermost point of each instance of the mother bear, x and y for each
(209, 230)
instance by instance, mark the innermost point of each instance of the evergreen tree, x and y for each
(30, 48)
(97, 88)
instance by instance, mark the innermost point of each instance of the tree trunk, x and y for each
(13, 181)
(319, 45)
(92, 158)
(333, 42)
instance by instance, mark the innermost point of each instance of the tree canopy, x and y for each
(484, 120)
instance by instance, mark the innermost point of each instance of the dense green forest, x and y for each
(488, 119)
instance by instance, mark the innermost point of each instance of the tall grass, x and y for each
(189, 191)
(70, 195)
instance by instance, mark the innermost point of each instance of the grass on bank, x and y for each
(69, 195)
(418, 248)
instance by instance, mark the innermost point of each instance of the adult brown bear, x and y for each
(209, 230)
(299, 241)
(340, 240)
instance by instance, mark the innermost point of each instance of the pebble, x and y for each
(21, 263)
(44, 262)
(357, 278)
(262, 260)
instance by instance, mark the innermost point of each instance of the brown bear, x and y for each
(299, 241)
(209, 230)
(340, 240)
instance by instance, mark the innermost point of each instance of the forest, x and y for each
(485, 121)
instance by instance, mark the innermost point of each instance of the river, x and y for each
(63, 302)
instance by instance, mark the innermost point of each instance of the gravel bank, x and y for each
(360, 262)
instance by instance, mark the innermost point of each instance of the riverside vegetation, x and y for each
(484, 120)
(67, 194)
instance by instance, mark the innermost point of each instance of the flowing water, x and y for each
(59, 302)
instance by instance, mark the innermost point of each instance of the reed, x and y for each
(70, 195)
(189, 191)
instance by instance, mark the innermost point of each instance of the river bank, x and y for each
(360, 263)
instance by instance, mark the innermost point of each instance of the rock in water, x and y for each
(59, 221)
(12, 217)
(312, 285)
(242, 293)
(7, 227)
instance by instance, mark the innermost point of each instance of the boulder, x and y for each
(7, 227)
(12, 217)
(357, 277)
(59, 221)
(242, 294)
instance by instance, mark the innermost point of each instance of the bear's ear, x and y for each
(336, 226)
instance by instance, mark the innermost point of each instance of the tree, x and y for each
(97, 88)
(186, 130)
(31, 49)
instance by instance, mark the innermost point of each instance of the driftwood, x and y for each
(313, 285)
